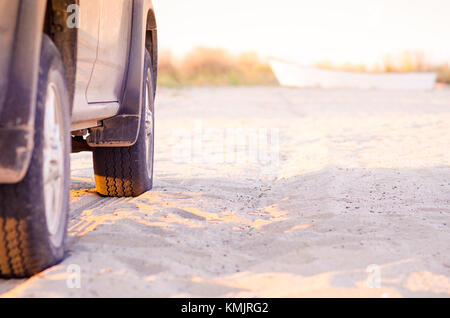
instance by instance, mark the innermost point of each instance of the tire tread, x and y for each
(121, 171)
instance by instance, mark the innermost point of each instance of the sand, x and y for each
(353, 200)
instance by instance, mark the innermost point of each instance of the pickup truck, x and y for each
(75, 75)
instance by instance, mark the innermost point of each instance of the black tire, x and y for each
(27, 246)
(128, 171)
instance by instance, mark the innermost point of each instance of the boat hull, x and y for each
(292, 75)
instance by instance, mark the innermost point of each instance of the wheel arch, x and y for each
(19, 108)
(64, 37)
(34, 18)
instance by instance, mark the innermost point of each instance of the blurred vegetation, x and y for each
(214, 67)
(207, 66)
(405, 62)
(443, 73)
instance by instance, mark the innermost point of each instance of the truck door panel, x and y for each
(86, 54)
(110, 68)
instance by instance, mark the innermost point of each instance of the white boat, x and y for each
(293, 75)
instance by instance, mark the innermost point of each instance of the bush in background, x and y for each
(208, 66)
(443, 72)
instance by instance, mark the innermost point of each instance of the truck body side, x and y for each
(22, 24)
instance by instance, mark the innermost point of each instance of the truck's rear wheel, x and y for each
(128, 171)
(33, 213)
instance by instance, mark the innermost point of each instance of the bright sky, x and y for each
(308, 31)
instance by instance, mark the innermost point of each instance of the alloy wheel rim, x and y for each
(148, 125)
(53, 154)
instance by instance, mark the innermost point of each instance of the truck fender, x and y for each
(18, 113)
